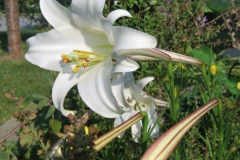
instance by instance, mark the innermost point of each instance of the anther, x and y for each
(76, 69)
(64, 56)
(85, 64)
(65, 60)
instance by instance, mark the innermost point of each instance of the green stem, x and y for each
(174, 107)
(206, 80)
(145, 134)
(221, 131)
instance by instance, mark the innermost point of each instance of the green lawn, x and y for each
(27, 79)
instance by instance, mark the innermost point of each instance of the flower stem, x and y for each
(206, 80)
(221, 130)
(174, 107)
(145, 134)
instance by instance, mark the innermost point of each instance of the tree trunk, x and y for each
(13, 28)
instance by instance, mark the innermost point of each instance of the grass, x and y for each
(205, 141)
(27, 79)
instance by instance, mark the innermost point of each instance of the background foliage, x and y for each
(208, 30)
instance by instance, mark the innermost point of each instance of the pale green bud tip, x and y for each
(73, 56)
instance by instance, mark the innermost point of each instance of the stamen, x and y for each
(85, 64)
(135, 107)
(82, 59)
(129, 100)
(64, 55)
(65, 60)
(76, 51)
(76, 69)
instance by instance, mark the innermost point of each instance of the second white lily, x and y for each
(132, 99)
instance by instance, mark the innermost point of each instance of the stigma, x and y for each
(82, 59)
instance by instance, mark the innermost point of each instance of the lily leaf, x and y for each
(205, 54)
(162, 148)
(50, 112)
(231, 85)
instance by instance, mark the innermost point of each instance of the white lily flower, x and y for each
(82, 47)
(130, 97)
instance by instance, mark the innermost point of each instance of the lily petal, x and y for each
(46, 48)
(57, 15)
(114, 15)
(143, 82)
(136, 131)
(119, 120)
(155, 131)
(117, 87)
(88, 13)
(137, 92)
(95, 83)
(127, 38)
(63, 83)
(91, 8)
(124, 64)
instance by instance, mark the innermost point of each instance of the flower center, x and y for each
(82, 59)
(139, 105)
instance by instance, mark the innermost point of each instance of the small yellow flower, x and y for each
(213, 69)
(86, 130)
(238, 85)
(182, 66)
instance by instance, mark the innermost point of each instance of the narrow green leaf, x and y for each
(50, 112)
(205, 54)
(42, 103)
(207, 9)
(162, 148)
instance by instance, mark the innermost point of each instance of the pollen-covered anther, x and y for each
(136, 106)
(76, 69)
(85, 64)
(76, 51)
(65, 58)
(64, 55)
